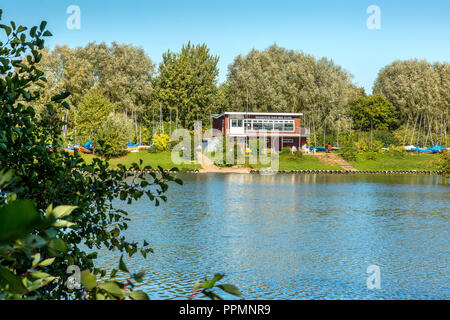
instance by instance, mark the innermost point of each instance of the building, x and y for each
(286, 127)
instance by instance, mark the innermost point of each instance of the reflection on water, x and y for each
(297, 236)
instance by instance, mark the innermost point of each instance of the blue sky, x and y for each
(331, 28)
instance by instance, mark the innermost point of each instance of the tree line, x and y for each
(119, 83)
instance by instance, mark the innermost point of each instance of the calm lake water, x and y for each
(297, 236)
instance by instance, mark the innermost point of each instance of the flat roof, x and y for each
(257, 113)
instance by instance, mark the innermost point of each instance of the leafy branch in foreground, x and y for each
(207, 288)
(39, 242)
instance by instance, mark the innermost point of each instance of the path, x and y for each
(208, 166)
(334, 159)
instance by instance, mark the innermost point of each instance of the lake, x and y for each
(297, 236)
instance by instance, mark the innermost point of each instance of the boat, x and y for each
(87, 148)
(136, 148)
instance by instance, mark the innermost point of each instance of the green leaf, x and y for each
(122, 266)
(113, 288)
(88, 280)
(36, 259)
(47, 34)
(139, 295)
(231, 289)
(47, 262)
(57, 247)
(6, 28)
(17, 219)
(210, 283)
(13, 281)
(62, 211)
(63, 224)
(43, 25)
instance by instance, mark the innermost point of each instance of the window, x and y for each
(289, 126)
(240, 123)
(268, 125)
(257, 125)
(234, 123)
(278, 125)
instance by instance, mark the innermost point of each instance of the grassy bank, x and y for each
(391, 162)
(154, 160)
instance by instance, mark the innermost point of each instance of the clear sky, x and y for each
(332, 28)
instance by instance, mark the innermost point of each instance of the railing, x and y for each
(305, 132)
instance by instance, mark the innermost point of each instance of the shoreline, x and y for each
(267, 172)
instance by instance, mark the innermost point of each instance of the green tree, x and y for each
(415, 87)
(373, 112)
(93, 111)
(46, 176)
(112, 136)
(186, 84)
(36, 246)
(281, 80)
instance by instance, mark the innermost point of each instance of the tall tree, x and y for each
(373, 112)
(186, 84)
(415, 87)
(281, 80)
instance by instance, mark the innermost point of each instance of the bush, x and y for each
(443, 163)
(113, 135)
(285, 151)
(361, 146)
(397, 151)
(348, 153)
(161, 141)
(377, 146)
(387, 138)
(371, 156)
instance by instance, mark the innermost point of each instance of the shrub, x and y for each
(387, 138)
(113, 135)
(443, 163)
(371, 156)
(361, 146)
(397, 151)
(377, 146)
(285, 151)
(348, 153)
(161, 141)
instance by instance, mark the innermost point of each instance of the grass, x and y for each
(287, 162)
(154, 160)
(391, 162)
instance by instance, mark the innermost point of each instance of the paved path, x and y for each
(209, 167)
(334, 159)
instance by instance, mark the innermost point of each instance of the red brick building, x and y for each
(286, 127)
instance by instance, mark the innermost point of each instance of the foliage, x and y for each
(92, 112)
(122, 73)
(416, 87)
(112, 136)
(373, 112)
(361, 146)
(386, 137)
(161, 141)
(280, 80)
(398, 151)
(186, 84)
(348, 153)
(48, 175)
(207, 287)
(377, 146)
(443, 163)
